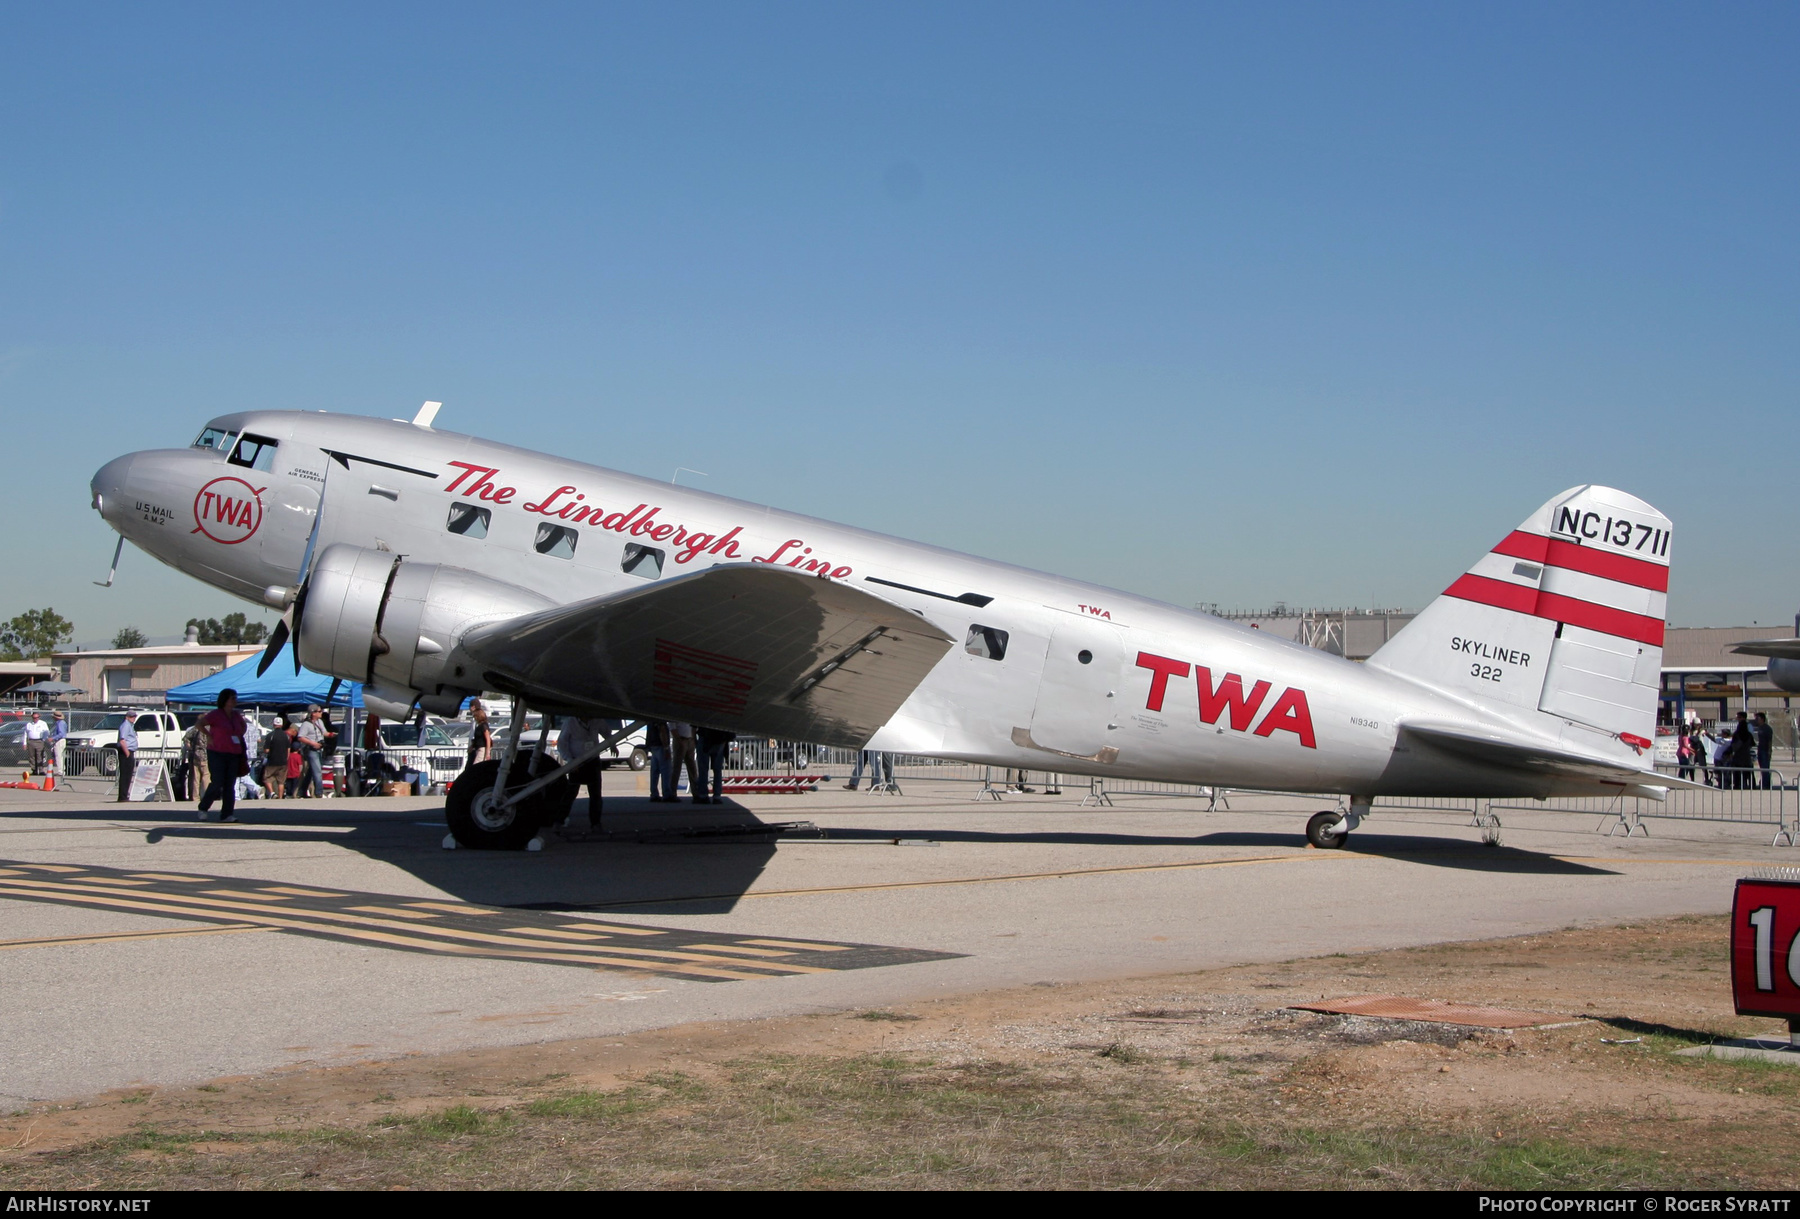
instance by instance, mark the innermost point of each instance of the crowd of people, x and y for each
(227, 756)
(1735, 760)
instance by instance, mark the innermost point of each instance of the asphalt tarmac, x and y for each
(139, 946)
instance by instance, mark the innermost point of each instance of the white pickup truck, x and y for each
(98, 745)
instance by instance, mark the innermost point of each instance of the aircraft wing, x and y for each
(752, 649)
(1499, 750)
(1777, 649)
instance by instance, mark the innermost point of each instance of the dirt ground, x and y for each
(1196, 1080)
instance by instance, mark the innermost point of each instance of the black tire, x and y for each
(468, 809)
(109, 761)
(639, 760)
(1317, 826)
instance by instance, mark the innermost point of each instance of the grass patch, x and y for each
(898, 1017)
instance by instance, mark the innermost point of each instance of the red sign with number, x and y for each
(1765, 948)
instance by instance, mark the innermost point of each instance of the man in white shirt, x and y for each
(37, 738)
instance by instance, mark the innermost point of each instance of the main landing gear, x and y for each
(1330, 830)
(477, 819)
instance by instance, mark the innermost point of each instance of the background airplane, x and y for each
(1784, 658)
(432, 566)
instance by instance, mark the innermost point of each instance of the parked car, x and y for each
(12, 744)
(631, 751)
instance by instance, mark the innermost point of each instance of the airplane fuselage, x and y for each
(1056, 675)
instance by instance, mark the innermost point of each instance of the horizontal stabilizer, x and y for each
(747, 648)
(1774, 649)
(1543, 758)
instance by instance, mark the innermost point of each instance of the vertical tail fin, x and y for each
(1561, 623)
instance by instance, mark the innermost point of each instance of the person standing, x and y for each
(59, 741)
(662, 778)
(193, 760)
(1765, 745)
(715, 744)
(253, 734)
(1684, 753)
(481, 741)
(275, 765)
(225, 756)
(681, 753)
(311, 739)
(1742, 752)
(37, 738)
(577, 739)
(128, 744)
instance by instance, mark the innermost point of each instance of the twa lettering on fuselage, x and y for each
(228, 510)
(1617, 532)
(569, 502)
(1227, 699)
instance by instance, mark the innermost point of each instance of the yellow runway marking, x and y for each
(233, 905)
(397, 913)
(103, 937)
(743, 948)
(377, 929)
(446, 907)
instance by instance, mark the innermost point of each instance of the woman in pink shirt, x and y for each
(225, 758)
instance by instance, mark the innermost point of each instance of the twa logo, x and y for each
(228, 510)
(1226, 698)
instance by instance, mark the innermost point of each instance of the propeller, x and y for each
(289, 626)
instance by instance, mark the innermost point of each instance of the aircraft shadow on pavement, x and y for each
(704, 857)
(1463, 854)
(677, 859)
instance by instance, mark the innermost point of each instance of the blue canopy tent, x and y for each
(279, 687)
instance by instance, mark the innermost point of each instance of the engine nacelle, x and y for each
(1785, 675)
(373, 617)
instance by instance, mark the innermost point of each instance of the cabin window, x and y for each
(645, 561)
(988, 642)
(468, 520)
(216, 438)
(557, 541)
(256, 452)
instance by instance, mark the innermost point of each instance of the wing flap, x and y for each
(1543, 758)
(752, 649)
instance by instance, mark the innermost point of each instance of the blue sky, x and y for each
(1221, 303)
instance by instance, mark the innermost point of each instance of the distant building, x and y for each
(16, 673)
(145, 675)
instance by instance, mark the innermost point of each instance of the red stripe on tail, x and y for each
(1608, 566)
(1558, 608)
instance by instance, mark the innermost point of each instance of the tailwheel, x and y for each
(1319, 833)
(478, 822)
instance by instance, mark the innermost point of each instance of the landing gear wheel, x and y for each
(477, 823)
(1318, 831)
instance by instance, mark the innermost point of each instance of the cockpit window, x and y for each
(256, 452)
(214, 438)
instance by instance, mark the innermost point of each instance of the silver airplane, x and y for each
(432, 566)
(1784, 658)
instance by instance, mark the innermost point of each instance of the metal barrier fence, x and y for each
(1735, 796)
(1745, 805)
